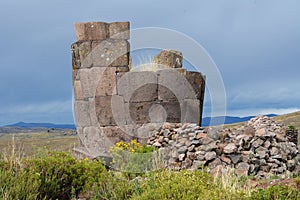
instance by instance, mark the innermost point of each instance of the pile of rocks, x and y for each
(260, 148)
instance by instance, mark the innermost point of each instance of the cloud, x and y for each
(55, 112)
(48, 107)
(255, 44)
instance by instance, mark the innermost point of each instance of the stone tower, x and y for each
(113, 103)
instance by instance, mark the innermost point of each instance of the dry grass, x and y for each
(28, 143)
(289, 119)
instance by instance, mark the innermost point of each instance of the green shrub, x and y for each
(133, 159)
(18, 185)
(182, 185)
(61, 176)
(291, 128)
(112, 188)
(276, 192)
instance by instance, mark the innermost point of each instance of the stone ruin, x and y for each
(116, 103)
(161, 105)
(262, 148)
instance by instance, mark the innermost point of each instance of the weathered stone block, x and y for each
(93, 140)
(76, 63)
(108, 81)
(93, 115)
(114, 134)
(81, 54)
(119, 30)
(110, 110)
(173, 111)
(169, 59)
(110, 52)
(197, 82)
(142, 113)
(75, 75)
(157, 113)
(78, 95)
(165, 94)
(190, 110)
(138, 86)
(89, 79)
(119, 112)
(91, 31)
(172, 84)
(82, 113)
(139, 112)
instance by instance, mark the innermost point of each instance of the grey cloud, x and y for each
(255, 44)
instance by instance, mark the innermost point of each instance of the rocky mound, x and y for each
(261, 148)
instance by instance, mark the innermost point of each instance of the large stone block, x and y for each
(110, 110)
(78, 95)
(93, 114)
(173, 111)
(190, 110)
(76, 63)
(94, 141)
(152, 112)
(91, 31)
(75, 75)
(108, 81)
(119, 30)
(89, 79)
(138, 86)
(82, 113)
(119, 111)
(81, 54)
(110, 52)
(197, 82)
(165, 94)
(171, 84)
(139, 112)
(157, 113)
(169, 59)
(115, 134)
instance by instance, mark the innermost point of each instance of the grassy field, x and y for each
(289, 119)
(28, 143)
(58, 175)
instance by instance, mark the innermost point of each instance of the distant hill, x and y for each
(215, 121)
(42, 125)
(289, 119)
(205, 122)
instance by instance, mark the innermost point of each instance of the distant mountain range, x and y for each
(206, 121)
(42, 125)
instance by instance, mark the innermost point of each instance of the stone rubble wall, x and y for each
(261, 148)
(115, 104)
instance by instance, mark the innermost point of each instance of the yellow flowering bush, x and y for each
(132, 146)
(132, 158)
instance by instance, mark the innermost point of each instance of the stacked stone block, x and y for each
(115, 104)
(262, 147)
(100, 55)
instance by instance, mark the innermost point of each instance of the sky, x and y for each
(255, 45)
